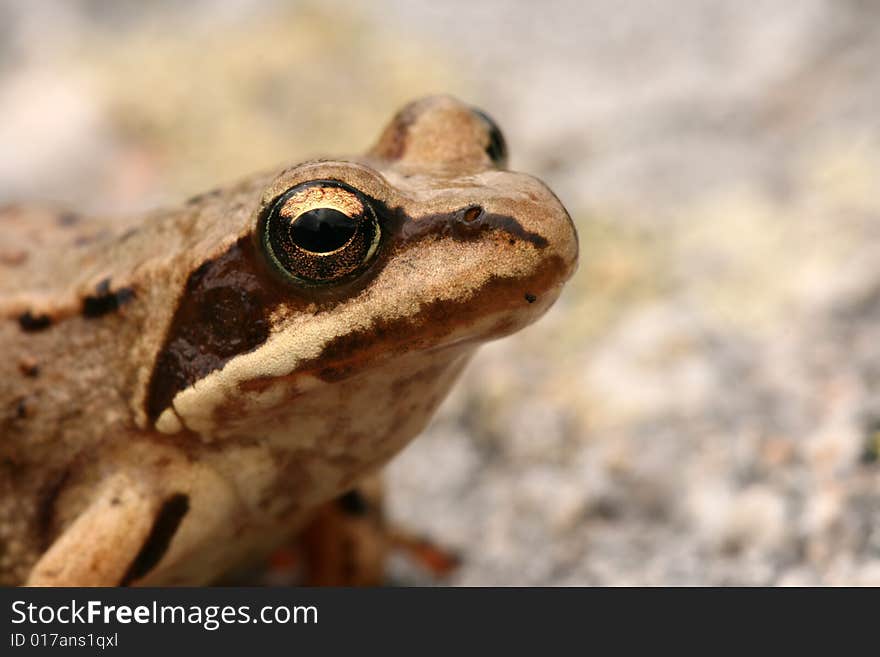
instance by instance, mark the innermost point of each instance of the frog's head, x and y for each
(361, 286)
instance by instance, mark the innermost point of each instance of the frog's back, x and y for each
(54, 253)
(39, 248)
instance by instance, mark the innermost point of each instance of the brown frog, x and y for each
(181, 392)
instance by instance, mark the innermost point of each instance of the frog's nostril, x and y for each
(472, 214)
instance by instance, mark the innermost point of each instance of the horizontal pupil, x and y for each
(322, 230)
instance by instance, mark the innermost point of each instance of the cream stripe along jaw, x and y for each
(263, 348)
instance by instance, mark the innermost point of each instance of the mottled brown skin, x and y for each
(171, 407)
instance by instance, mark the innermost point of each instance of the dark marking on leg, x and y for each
(531, 298)
(31, 323)
(165, 526)
(105, 300)
(47, 500)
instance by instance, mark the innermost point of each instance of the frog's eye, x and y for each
(496, 148)
(320, 232)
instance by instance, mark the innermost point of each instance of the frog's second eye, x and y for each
(320, 232)
(496, 147)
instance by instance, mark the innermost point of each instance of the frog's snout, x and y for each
(562, 237)
(546, 224)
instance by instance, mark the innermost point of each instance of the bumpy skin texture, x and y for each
(171, 407)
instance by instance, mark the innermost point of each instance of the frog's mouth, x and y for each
(501, 306)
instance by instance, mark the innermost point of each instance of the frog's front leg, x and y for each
(101, 547)
(349, 541)
(346, 542)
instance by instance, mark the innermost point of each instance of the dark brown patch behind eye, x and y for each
(222, 313)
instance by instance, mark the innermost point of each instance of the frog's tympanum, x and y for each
(179, 393)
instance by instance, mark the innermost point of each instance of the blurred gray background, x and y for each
(702, 406)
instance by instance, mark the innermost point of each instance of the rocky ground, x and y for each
(703, 404)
